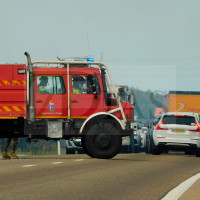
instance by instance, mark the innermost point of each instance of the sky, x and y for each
(148, 44)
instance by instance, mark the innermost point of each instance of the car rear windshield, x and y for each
(185, 120)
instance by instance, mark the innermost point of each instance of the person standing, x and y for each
(14, 146)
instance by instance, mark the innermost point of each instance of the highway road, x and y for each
(78, 177)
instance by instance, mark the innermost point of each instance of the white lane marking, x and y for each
(56, 163)
(78, 160)
(180, 189)
(28, 165)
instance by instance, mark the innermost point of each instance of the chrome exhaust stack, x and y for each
(30, 90)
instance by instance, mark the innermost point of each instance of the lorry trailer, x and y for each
(182, 101)
(64, 99)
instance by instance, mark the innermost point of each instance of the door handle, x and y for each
(74, 101)
(39, 101)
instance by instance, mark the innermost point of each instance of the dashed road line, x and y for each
(78, 160)
(56, 163)
(53, 163)
(180, 189)
(28, 165)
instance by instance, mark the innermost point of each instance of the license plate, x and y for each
(179, 130)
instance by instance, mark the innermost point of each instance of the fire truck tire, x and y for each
(84, 147)
(103, 140)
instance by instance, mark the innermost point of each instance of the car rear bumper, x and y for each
(179, 141)
(176, 146)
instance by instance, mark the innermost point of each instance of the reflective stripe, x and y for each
(79, 117)
(12, 83)
(51, 117)
(16, 108)
(6, 108)
(12, 108)
(16, 82)
(24, 107)
(9, 117)
(6, 82)
(24, 82)
(76, 91)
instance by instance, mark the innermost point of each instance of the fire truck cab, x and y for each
(64, 99)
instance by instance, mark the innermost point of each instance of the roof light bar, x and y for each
(90, 59)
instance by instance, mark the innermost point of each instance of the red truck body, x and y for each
(12, 92)
(13, 95)
(41, 100)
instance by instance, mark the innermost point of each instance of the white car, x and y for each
(137, 141)
(127, 144)
(177, 131)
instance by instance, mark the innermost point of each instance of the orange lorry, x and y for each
(182, 101)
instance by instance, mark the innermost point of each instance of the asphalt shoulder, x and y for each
(192, 193)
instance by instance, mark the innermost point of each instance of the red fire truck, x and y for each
(64, 99)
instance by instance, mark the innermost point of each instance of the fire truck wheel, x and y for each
(103, 140)
(84, 147)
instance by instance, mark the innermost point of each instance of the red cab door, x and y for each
(86, 95)
(50, 96)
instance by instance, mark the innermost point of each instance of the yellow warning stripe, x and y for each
(8, 117)
(79, 117)
(24, 82)
(12, 108)
(6, 82)
(50, 117)
(13, 82)
(24, 107)
(16, 108)
(16, 82)
(6, 108)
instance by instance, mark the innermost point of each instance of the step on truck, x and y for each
(64, 99)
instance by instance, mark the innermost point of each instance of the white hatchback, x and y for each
(177, 131)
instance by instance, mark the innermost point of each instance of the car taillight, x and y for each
(158, 127)
(198, 128)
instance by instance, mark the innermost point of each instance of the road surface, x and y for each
(79, 177)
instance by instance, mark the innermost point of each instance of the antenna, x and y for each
(101, 59)
(88, 44)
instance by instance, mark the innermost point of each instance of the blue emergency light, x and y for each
(90, 59)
